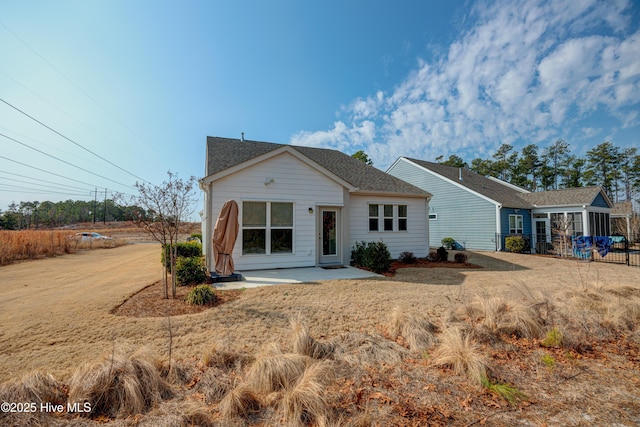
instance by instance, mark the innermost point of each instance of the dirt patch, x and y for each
(150, 302)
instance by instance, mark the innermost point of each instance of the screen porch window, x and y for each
(515, 224)
(267, 228)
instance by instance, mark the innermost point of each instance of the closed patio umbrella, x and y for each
(225, 233)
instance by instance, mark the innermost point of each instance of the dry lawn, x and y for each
(356, 352)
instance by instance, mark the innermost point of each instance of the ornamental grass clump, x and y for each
(458, 351)
(201, 295)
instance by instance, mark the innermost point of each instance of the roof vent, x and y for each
(242, 136)
(460, 174)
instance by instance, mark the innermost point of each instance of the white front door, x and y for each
(329, 235)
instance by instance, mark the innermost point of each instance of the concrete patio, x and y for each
(286, 276)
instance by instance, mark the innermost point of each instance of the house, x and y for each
(304, 206)
(479, 212)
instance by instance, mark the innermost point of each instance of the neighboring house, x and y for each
(303, 206)
(479, 212)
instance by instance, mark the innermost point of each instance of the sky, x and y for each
(99, 95)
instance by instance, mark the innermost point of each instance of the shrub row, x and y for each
(374, 256)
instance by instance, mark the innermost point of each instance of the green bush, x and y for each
(191, 271)
(460, 257)
(183, 249)
(201, 295)
(408, 258)
(448, 242)
(443, 255)
(374, 256)
(514, 243)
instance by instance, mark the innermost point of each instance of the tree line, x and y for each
(33, 215)
(615, 169)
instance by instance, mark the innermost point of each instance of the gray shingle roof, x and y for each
(224, 153)
(566, 197)
(501, 193)
(511, 197)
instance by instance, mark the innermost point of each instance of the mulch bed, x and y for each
(150, 302)
(425, 263)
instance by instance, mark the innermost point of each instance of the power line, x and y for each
(35, 183)
(20, 189)
(79, 88)
(63, 161)
(45, 171)
(42, 180)
(72, 141)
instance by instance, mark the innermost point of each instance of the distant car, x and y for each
(86, 237)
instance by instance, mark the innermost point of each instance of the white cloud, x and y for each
(524, 71)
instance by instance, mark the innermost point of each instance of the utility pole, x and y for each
(104, 208)
(95, 200)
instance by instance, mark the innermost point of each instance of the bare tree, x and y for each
(162, 212)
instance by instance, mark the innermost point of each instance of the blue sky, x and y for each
(142, 83)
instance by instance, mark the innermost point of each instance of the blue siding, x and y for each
(526, 220)
(462, 215)
(600, 202)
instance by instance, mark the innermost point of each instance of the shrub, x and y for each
(191, 271)
(514, 244)
(460, 258)
(358, 253)
(448, 242)
(201, 295)
(372, 255)
(183, 249)
(552, 339)
(433, 256)
(443, 255)
(408, 258)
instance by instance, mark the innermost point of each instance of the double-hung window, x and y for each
(267, 228)
(388, 217)
(515, 224)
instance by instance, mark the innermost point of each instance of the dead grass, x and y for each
(119, 384)
(458, 351)
(416, 330)
(275, 372)
(304, 343)
(304, 403)
(34, 388)
(377, 381)
(27, 245)
(239, 402)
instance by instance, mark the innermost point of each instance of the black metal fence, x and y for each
(611, 249)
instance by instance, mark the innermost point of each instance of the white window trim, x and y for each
(396, 218)
(268, 228)
(519, 220)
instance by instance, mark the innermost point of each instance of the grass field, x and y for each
(523, 340)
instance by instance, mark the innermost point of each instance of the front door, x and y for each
(329, 235)
(543, 235)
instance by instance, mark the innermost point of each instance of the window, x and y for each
(574, 220)
(402, 217)
(390, 217)
(267, 228)
(515, 224)
(599, 223)
(373, 217)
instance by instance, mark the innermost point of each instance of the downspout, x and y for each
(498, 229)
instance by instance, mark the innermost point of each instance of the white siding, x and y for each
(464, 216)
(415, 239)
(293, 181)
